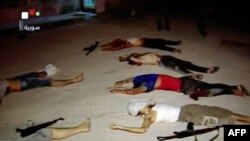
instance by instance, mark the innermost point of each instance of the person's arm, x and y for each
(128, 80)
(105, 45)
(136, 60)
(111, 48)
(147, 121)
(133, 91)
(117, 44)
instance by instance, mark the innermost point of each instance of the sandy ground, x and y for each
(62, 47)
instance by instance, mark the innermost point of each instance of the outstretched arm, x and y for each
(136, 60)
(112, 48)
(109, 47)
(128, 80)
(117, 44)
(139, 130)
(133, 91)
(105, 45)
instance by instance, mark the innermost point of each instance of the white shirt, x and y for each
(166, 113)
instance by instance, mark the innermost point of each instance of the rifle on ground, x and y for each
(190, 132)
(33, 129)
(91, 48)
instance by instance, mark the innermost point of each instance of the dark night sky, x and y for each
(231, 13)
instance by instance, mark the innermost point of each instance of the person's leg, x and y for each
(29, 83)
(203, 11)
(175, 64)
(62, 133)
(166, 13)
(167, 48)
(164, 42)
(159, 19)
(157, 43)
(241, 118)
(166, 21)
(217, 89)
(158, 15)
(190, 66)
(59, 83)
(182, 70)
(40, 74)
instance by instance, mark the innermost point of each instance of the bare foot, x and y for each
(85, 126)
(243, 90)
(179, 42)
(213, 69)
(78, 78)
(113, 126)
(178, 50)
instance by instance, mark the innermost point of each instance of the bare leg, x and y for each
(58, 83)
(61, 133)
(241, 118)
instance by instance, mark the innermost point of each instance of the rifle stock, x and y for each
(33, 129)
(185, 133)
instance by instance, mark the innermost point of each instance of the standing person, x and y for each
(162, 11)
(56, 133)
(204, 9)
(153, 112)
(153, 43)
(165, 61)
(188, 85)
(33, 80)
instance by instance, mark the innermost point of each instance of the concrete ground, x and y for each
(63, 47)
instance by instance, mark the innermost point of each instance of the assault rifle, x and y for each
(33, 129)
(190, 132)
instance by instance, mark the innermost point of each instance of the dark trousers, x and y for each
(190, 85)
(30, 83)
(218, 88)
(162, 14)
(31, 75)
(203, 12)
(181, 65)
(159, 44)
